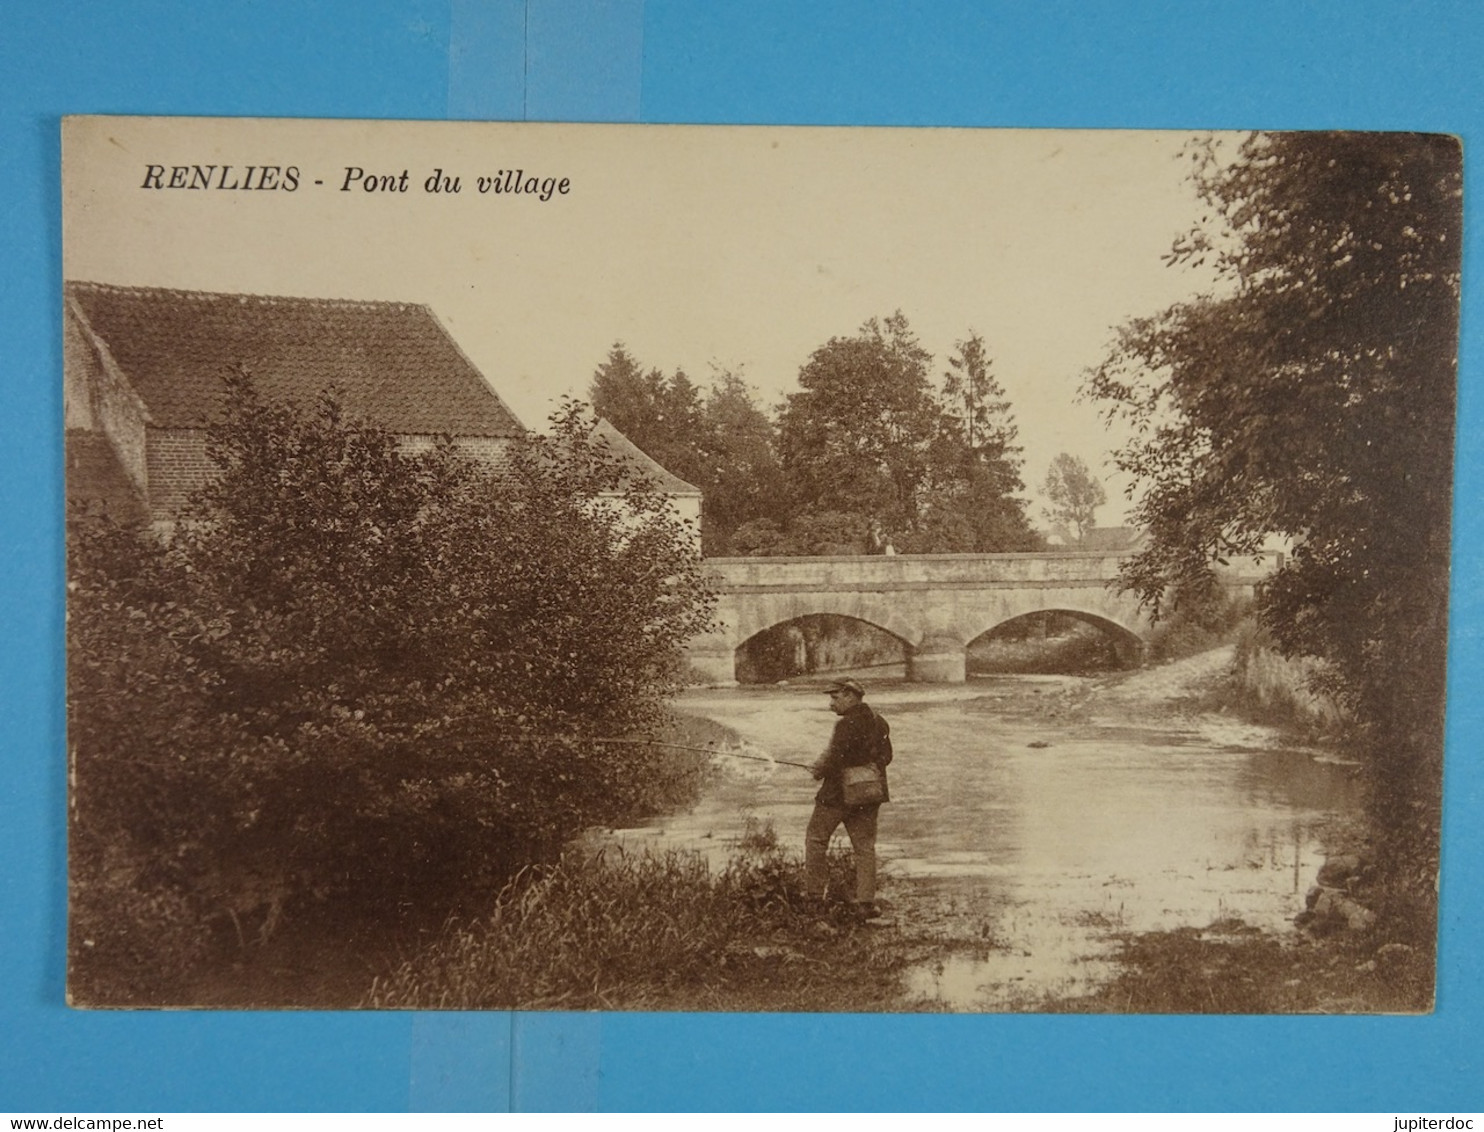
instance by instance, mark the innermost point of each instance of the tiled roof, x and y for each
(632, 455)
(391, 363)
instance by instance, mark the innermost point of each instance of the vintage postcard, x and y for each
(581, 567)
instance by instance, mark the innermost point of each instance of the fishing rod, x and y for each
(686, 747)
(699, 750)
(548, 737)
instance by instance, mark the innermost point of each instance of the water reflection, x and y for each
(1039, 828)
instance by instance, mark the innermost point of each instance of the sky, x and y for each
(743, 248)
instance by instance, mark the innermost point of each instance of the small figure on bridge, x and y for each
(859, 751)
(875, 538)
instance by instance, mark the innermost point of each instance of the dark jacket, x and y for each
(860, 737)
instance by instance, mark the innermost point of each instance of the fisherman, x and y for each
(861, 739)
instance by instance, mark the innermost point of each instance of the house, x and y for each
(685, 499)
(145, 368)
(1108, 540)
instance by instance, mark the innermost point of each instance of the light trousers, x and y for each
(860, 825)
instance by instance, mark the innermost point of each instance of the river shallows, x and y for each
(1127, 814)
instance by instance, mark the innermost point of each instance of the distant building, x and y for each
(145, 370)
(1109, 540)
(684, 498)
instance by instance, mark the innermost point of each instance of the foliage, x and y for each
(810, 533)
(364, 674)
(868, 435)
(742, 480)
(1313, 398)
(816, 643)
(660, 414)
(867, 440)
(1075, 495)
(1044, 642)
(1199, 622)
(1231, 968)
(970, 501)
(856, 437)
(721, 442)
(653, 932)
(1277, 691)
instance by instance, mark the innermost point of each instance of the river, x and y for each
(1041, 815)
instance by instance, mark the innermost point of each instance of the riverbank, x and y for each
(666, 933)
(1044, 852)
(1231, 968)
(703, 911)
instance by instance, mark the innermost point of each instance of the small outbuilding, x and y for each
(685, 498)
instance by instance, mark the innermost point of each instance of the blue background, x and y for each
(1140, 63)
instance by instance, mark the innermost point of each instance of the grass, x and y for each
(659, 932)
(1230, 968)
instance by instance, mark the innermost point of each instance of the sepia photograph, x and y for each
(735, 568)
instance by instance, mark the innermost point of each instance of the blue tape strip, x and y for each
(460, 1062)
(585, 60)
(555, 1062)
(487, 59)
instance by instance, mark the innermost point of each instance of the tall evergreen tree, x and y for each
(742, 480)
(972, 501)
(662, 415)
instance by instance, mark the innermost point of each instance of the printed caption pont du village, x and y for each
(353, 179)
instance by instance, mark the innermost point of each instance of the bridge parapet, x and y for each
(950, 569)
(936, 604)
(929, 569)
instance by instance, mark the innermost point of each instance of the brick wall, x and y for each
(493, 452)
(177, 465)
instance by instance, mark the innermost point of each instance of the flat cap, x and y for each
(846, 685)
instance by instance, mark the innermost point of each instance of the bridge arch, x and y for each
(772, 610)
(816, 642)
(1128, 645)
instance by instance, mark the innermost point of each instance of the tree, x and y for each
(662, 415)
(719, 441)
(1312, 397)
(742, 480)
(855, 438)
(975, 410)
(970, 501)
(1075, 495)
(362, 675)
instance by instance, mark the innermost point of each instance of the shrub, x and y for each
(362, 675)
(1198, 618)
(1285, 691)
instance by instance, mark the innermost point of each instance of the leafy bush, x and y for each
(1198, 619)
(358, 674)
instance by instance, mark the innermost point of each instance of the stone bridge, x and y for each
(935, 604)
